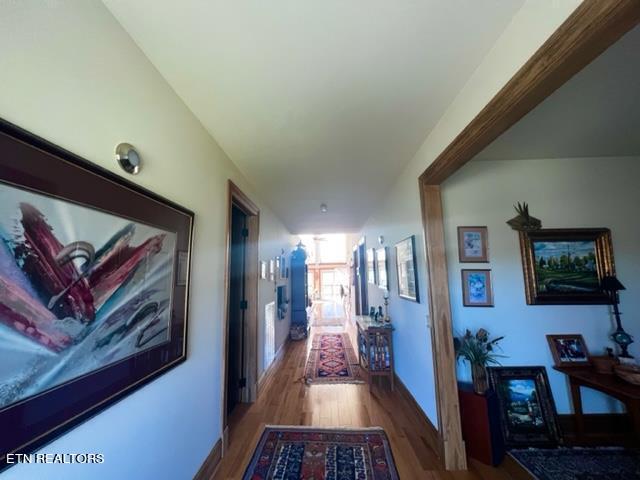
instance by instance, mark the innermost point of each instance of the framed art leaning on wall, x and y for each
(94, 280)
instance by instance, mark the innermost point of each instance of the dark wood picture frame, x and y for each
(31, 164)
(554, 346)
(603, 264)
(520, 427)
(488, 285)
(463, 257)
(408, 243)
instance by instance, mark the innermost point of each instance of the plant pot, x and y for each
(480, 381)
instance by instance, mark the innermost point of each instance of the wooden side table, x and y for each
(375, 349)
(606, 383)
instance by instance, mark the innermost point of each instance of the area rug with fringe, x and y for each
(580, 463)
(294, 453)
(332, 360)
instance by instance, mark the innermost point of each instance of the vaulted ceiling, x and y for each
(317, 102)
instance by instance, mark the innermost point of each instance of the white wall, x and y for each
(563, 193)
(71, 74)
(398, 213)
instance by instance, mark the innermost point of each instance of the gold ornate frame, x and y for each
(604, 264)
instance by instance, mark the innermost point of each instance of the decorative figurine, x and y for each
(612, 286)
(385, 295)
(524, 222)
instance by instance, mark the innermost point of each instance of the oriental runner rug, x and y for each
(332, 360)
(294, 453)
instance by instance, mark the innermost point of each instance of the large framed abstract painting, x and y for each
(93, 289)
(566, 266)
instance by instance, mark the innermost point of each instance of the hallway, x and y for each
(286, 400)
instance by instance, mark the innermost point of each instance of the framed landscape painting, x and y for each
(566, 266)
(94, 278)
(406, 269)
(527, 411)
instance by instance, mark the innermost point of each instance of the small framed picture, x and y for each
(283, 266)
(278, 267)
(569, 350)
(272, 270)
(263, 270)
(476, 288)
(473, 244)
(406, 269)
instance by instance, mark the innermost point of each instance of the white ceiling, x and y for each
(595, 114)
(317, 101)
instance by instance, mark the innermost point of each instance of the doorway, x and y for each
(241, 304)
(236, 381)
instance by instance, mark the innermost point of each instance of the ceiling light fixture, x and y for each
(323, 208)
(128, 158)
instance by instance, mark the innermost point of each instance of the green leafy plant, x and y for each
(477, 349)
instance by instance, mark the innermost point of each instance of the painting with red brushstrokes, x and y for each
(80, 289)
(94, 289)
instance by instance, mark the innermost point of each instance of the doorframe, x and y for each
(235, 196)
(593, 27)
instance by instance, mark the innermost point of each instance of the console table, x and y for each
(375, 348)
(606, 383)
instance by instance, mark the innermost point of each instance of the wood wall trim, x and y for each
(593, 27)
(211, 463)
(235, 196)
(449, 426)
(267, 376)
(432, 437)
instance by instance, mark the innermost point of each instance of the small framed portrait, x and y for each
(569, 350)
(263, 270)
(476, 288)
(527, 410)
(473, 244)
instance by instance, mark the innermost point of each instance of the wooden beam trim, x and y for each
(450, 429)
(588, 31)
(210, 466)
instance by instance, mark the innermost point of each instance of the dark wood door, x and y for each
(237, 307)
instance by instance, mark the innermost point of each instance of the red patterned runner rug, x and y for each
(332, 360)
(322, 453)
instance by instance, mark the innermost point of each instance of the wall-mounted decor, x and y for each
(527, 410)
(569, 350)
(566, 266)
(524, 222)
(278, 276)
(283, 266)
(406, 269)
(382, 268)
(263, 270)
(371, 266)
(272, 270)
(93, 289)
(476, 288)
(473, 244)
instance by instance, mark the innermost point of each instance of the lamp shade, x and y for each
(610, 283)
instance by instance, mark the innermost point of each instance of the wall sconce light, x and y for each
(128, 158)
(324, 208)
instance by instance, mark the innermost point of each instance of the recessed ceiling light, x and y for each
(323, 208)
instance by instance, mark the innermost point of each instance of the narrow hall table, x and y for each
(609, 384)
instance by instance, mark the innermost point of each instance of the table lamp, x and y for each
(612, 286)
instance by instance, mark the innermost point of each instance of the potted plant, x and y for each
(479, 351)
